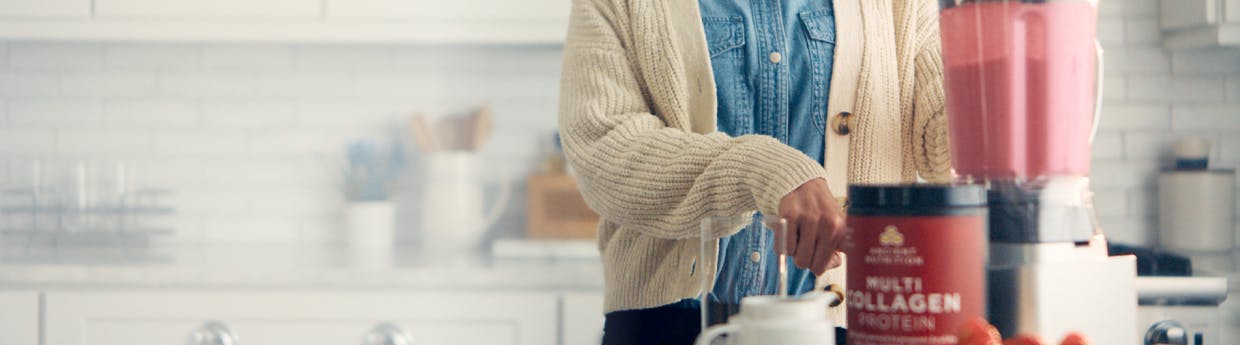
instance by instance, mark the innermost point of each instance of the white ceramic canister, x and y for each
(371, 229)
(454, 217)
(1197, 211)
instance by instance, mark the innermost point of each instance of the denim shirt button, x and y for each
(776, 57)
(755, 257)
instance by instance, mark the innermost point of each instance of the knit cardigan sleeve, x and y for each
(931, 147)
(633, 168)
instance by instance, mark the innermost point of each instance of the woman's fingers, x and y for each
(824, 252)
(807, 240)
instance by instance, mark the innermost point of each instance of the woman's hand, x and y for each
(979, 332)
(815, 225)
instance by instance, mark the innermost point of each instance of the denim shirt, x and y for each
(772, 63)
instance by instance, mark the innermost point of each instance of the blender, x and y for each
(1023, 83)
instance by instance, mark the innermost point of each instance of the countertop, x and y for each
(285, 266)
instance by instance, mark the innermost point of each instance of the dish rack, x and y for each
(83, 211)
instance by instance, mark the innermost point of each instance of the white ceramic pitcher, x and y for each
(767, 320)
(454, 220)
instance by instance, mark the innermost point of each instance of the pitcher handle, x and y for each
(1097, 92)
(501, 203)
(708, 336)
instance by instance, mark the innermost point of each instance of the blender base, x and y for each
(1053, 289)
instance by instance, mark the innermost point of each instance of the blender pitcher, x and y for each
(1023, 85)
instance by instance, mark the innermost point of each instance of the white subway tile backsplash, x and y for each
(298, 202)
(1205, 117)
(1127, 230)
(247, 114)
(1128, 8)
(1143, 30)
(350, 58)
(25, 142)
(248, 57)
(95, 141)
(200, 142)
(354, 113)
(251, 137)
(55, 112)
(1196, 89)
(1135, 116)
(1109, 173)
(265, 171)
(1111, 201)
(1114, 87)
(163, 56)
(1107, 145)
(1143, 203)
(1149, 145)
(428, 88)
(47, 55)
(29, 83)
(108, 84)
(1233, 89)
(151, 113)
(1214, 62)
(207, 84)
(164, 171)
(305, 84)
(300, 142)
(1141, 60)
(212, 201)
(255, 230)
(1111, 31)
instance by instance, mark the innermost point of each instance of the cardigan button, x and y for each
(839, 123)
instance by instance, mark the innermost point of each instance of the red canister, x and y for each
(916, 262)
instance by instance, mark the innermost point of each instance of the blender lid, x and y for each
(945, 4)
(915, 196)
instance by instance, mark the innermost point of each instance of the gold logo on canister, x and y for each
(891, 237)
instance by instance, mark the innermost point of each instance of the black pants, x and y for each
(675, 324)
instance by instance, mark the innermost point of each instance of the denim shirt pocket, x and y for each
(820, 27)
(725, 39)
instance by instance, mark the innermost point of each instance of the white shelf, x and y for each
(1223, 35)
(1191, 24)
(513, 31)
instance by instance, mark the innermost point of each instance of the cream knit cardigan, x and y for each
(637, 116)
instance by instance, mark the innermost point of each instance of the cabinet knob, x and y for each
(387, 333)
(213, 333)
(1166, 332)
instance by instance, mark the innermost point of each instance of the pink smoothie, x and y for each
(1020, 87)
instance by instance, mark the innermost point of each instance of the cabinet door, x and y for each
(45, 8)
(1181, 14)
(19, 317)
(1233, 11)
(455, 9)
(213, 9)
(583, 318)
(160, 317)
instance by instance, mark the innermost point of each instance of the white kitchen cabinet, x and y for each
(227, 9)
(582, 315)
(287, 21)
(1200, 23)
(44, 8)
(471, 10)
(19, 317)
(160, 317)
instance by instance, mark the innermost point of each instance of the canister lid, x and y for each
(914, 198)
